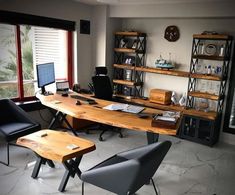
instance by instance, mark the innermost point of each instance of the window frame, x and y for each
(17, 19)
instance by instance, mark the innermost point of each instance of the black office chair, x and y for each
(14, 123)
(102, 85)
(126, 172)
(103, 90)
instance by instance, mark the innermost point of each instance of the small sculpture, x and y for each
(173, 98)
(123, 43)
(182, 101)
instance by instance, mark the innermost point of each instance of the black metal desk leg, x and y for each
(60, 117)
(152, 137)
(63, 116)
(54, 119)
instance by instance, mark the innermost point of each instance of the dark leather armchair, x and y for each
(103, 90)
(126, 172)
(14, 123)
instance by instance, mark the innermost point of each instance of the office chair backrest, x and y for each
(101, 70)
(102, 85)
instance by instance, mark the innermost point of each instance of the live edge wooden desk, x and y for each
(67, 106)
(52, 146)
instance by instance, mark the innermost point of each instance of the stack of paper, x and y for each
(168, 116)
(125, 108)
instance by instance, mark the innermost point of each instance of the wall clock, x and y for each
(172, 33)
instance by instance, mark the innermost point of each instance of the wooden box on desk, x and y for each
(160, 96)
(78, 123)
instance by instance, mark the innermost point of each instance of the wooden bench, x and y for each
(50, 145)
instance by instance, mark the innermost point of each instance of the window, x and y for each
(24, 46)
(8, 68)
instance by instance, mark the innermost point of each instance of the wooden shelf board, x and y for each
(162, 71)
(147, 103)
(124, 66)
(127, 50)
(207, 57)
(204, 95)
(203, 76)
(125, 82)
(219, 36)
(208, 115)
(129, 33)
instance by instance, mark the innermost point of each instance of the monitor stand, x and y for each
(44, 92)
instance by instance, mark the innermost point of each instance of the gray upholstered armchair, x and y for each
(126, 172)
(14, 123)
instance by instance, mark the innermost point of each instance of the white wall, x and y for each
(179, 9)
(103, 39)
(100, 31)
(113, 26)
(62, 9)
(180, 50)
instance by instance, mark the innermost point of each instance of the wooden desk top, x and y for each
(54, 145)
(95, 113)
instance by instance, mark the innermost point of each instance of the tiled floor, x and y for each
(188, 169)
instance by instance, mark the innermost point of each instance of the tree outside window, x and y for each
(38, 45)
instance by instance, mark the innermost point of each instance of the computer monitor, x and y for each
(46, 75)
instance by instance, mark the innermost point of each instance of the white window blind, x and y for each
(49, 45)
(46, 45)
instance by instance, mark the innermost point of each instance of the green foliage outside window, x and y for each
(8, 66)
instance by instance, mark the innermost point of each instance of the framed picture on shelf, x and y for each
(129, 60)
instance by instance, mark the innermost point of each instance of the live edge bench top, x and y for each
(53, 146)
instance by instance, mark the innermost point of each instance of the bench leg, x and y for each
(71, 169)
(39, 162)
(50, 163)
(37, 166)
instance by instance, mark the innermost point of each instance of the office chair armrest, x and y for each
(138, 152)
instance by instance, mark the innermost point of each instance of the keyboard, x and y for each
(133, 109)
(78, 97)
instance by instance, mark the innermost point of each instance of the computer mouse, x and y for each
(65, 94)
(143, 115)
(78, 102)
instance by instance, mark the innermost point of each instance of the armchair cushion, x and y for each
(14, 121)
(13, 130)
